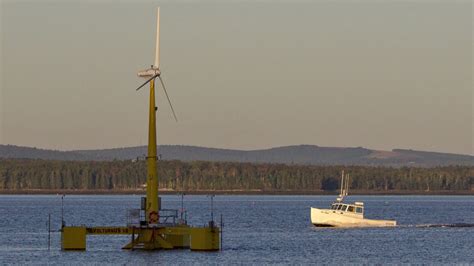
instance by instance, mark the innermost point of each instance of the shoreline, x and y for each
(231, 192)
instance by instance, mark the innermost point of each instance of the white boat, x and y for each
(344, 214)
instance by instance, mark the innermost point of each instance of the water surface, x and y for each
(258, 230)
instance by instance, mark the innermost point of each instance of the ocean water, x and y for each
(258, 230)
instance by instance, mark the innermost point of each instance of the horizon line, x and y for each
(242, 150)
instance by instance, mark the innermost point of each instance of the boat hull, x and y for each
(333, 218)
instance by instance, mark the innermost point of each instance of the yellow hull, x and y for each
(149, 238)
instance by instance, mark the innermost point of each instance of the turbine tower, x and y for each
(152, 205)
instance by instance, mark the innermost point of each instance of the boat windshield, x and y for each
(359, 209)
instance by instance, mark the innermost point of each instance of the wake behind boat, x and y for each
(344, 214)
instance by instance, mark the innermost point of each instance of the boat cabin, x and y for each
(357, 207)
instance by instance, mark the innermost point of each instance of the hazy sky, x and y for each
(241, 74)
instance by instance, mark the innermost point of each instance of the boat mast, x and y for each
(347, 185)
(344, 186)
(341, 194)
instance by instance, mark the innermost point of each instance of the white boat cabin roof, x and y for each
(357, 207)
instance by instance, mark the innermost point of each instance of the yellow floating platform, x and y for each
(148, 238)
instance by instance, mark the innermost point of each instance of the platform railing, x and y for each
(136, 217)
(168, 216)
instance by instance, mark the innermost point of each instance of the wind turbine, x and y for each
(152, 201)
(151, 234)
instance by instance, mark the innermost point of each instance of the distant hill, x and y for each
(299, 154)
(12, 151)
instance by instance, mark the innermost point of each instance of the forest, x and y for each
(24, 174)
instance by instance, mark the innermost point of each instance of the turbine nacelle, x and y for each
(148, 73)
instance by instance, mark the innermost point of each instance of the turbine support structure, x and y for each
(152, 198)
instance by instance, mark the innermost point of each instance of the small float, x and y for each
(345, 214)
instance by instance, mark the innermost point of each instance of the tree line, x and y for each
(21, 174)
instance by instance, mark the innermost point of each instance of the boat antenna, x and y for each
(341, 194)
(347, 185)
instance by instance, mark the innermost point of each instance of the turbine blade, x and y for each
(169, 101)
(147, 81)
(157, 44)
